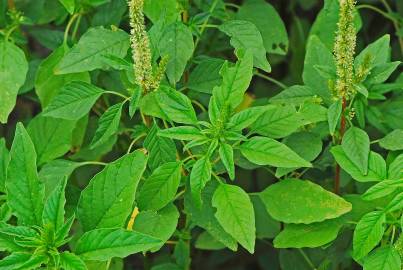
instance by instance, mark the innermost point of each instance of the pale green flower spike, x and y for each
(344, 50)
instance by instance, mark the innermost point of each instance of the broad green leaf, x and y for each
(308, 235)
(166, 266)
(134, 101)
(176, 42)
(13, 70)
(160, 187)
(236, 80)
(73, 101)
(176, 105)
(377, 52)
(110, 13)
(155, 10)
(161, 150)
(245, 36)
(158, 224)
(52, 137)
(101, 207)
(204, 216)
(296, 95)
(277, 122)
(376, 166)
(25, 193)
(393, 141)
(207, 242)
(383, 258)
(266, 151)
(227, 158)
(48, 84)
(301, 201)
(87, 54)
(184, 133)
(70, 261)
(235, 214)
(245, 118)
(333, 115)
(355, 145)
(395, 204)
(317, 54)
(53, 211)
(206, 75)
(269, 23)
(382, 189)
(368, 233)
(105, 244)
(4, 159)
(395, 168)
(69, 5)
(34, 262)
(182, 254)
(108, 125)
(199, 176)
(13, 261)
(381, 73)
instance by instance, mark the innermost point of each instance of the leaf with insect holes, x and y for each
(73, 101)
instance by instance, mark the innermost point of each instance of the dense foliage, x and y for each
(201, 134)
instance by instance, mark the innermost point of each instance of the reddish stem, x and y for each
(341, 132)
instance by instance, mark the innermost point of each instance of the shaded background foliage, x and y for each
(43, 32)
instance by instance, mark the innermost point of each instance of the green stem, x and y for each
(73, 35)
(134, 141)
(204, 25)
(198, 104)
(69, 24)
(93, 163)
(117, 94)
(276, 82)
(307, 259)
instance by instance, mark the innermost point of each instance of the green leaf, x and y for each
(105, 244)
(25, 193)
(160, 188)
(245, 36)
(158, 224)
(13, 70)
(317, 54)
(383, 258)
(87, 54)
(176, 42)
(277, 122)
(199, 176)
(269, 23)
(14, 260)
(295, 95)
(176, 105)
(227, 158)
(393, 141)
(108, 125)
(69, 261)
(48, 84)
(382, 189)
(301, 201)
(155, 10)
(101, 207)
(34, 262)
(134, 101)
(69, 5)
(184, 133)
(266, 151)
(161, 150)
(53, 211)
(333, 115)
(266, 226)
(395, 204)
(376, 165)
(235, 213)
(308, 235)
(204, 216)
(73, 101)
(4, 160)
(381, 73)
(377, 52)
(368, 233)
(245, 118)
(52, 137)
(355, 145)
(395, 168)
(206, 75)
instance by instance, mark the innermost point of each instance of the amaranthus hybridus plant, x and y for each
(344, 50)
